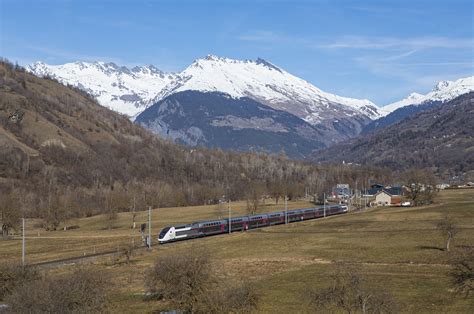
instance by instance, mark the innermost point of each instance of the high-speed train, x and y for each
(213, 227)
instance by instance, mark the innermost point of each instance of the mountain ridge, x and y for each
(442, 92)
(165, 83)
(440, 138)
(264, 82)
(127, 91)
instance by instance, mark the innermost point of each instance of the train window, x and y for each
(163, 232)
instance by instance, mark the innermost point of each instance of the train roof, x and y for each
(249, 217)
(210, 221)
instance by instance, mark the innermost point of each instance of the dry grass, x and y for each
(398, 249)
(93, 236)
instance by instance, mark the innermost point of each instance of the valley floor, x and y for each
(399, 250)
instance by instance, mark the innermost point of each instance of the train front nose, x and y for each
(165, 235)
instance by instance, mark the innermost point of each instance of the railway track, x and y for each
(77, 259)
(256, 232)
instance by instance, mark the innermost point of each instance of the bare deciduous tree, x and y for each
(254, 198)
(449, 229)
(10, 214)
(462, 275)
(351, 293)
(421, 186)
(278, 190)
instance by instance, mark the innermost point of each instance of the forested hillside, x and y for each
(214, 119)
(440, 139)
(397, 116)
(64, 155)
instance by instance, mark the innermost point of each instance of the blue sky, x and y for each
(380, 50)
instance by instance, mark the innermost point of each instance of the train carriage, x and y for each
(276, 218)
(309, 213)
(213, 227)
(238, 224)
(258, 221)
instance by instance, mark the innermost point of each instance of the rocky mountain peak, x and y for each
(267, 64)
(442, 85)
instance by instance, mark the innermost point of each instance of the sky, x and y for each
(378, 50)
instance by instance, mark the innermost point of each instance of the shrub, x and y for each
(187, 282)
(181, 278)
(82, 291)
(237, 298)
(12, 276)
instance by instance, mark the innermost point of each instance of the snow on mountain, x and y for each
(413, 98)
(128, 91)
(266, 83)
(442, 92)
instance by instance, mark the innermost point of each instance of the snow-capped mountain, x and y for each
(132, 91)
(128, 91)
(270, 85)
(442, 92)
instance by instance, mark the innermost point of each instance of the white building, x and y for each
(384, 198)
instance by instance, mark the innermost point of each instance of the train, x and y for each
(243, 223)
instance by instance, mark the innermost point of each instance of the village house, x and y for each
(376, 188)
(386, 198)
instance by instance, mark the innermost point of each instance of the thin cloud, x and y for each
(414, 43)
(387, 10)
(468, 64)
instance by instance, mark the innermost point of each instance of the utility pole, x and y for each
(149, 227)
(324, 204)
(230, 222)
(286, 210)
(355, 195)
(134, 211)
(365, 205)
(23, 244)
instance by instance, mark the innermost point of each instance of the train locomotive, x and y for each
(243, 223)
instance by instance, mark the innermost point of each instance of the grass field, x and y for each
(94, 236)
(398, 249)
